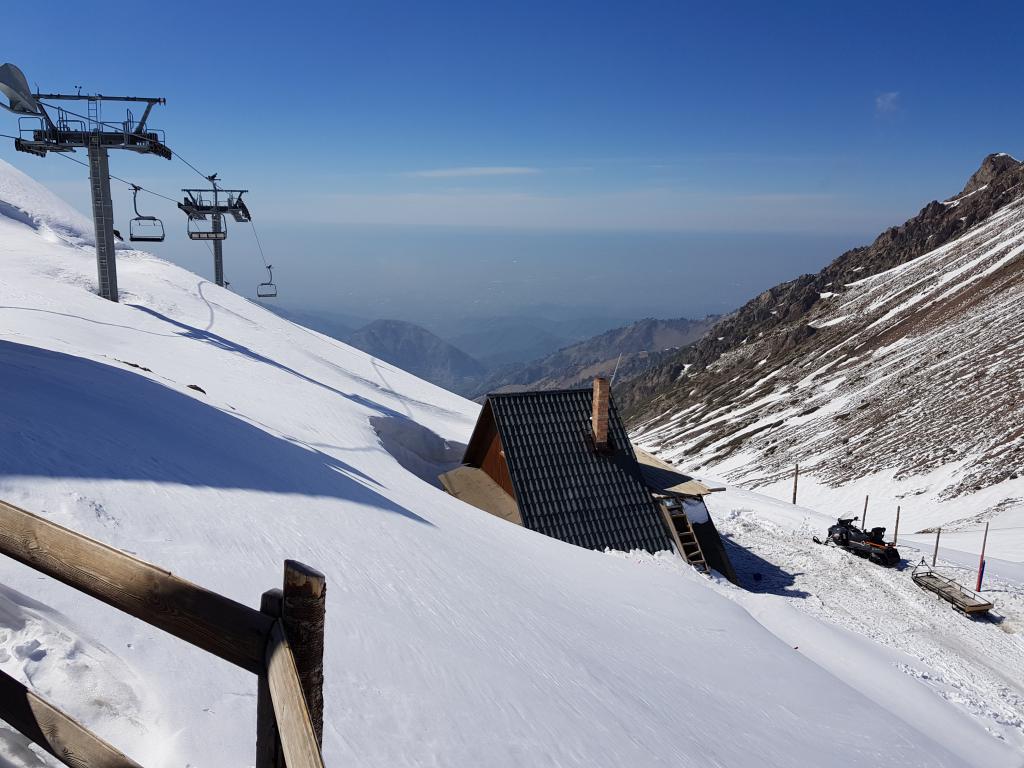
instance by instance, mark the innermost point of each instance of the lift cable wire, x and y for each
(258, 243)
(116, 178)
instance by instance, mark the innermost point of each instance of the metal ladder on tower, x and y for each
(93, 114)
(691, 551)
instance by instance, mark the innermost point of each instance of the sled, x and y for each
(962, 599)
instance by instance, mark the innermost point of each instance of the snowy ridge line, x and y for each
(238, 634)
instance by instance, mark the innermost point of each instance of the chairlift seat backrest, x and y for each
(195, 232)
(144, 229)
(267, 290)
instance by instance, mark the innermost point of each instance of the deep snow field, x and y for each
(453, 638)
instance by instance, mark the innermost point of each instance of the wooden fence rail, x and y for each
(258, 641)
(54, 731)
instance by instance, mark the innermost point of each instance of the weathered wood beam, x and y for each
(49, 728)
(216, 624)
(268, 742)
(295, 729)
(303, 613)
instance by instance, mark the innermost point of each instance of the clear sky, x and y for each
(665, 158)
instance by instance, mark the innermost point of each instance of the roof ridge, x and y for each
(520, 393)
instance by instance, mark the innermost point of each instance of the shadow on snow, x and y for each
(758, 575)
(65, 416)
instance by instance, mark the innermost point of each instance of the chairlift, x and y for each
(144, 229)
(196, 232)
(267, 290)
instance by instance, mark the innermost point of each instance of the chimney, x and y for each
(599, 417)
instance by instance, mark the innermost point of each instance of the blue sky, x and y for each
(682, 155)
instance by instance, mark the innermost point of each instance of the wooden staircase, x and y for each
(689, 547)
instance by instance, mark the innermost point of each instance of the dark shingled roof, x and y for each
(565, 487)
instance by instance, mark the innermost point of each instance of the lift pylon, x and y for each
(45, 128)
(216, 203)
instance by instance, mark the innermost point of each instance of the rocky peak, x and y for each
(992, 167)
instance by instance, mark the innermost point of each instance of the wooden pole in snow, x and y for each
(935, 554)
(981, 561)
(864, 517)
(896, 532)
(796, 477)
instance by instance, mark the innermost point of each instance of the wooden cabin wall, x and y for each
(494, 464)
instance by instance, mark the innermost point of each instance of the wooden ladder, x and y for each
(691, 551)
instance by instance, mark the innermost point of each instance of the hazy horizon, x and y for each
(461, 161)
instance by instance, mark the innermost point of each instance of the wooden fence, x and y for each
(282, 643)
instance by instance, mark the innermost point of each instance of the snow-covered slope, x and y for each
(453, 638)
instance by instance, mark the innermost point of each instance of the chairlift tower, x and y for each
(215, 203)
(45, 128)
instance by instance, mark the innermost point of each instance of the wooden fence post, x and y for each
(268, 740)
(864, 517)
(796, 477)
(935, 554)
(302, 614)
(896, 533)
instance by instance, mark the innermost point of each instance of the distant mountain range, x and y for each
(418, 351)
(516, 339)
(624, 351)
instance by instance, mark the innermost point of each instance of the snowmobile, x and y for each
(870, 544)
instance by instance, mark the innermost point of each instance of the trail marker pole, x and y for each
(864, 517)
(935, 554)
(981, 561)
(896, 531)
(796, 477)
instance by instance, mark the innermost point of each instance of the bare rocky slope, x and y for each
(905, 356)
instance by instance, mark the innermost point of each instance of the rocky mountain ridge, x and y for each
(876, 363)
(624, 352)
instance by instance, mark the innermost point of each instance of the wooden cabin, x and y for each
(561, 463)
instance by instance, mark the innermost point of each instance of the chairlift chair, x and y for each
(144, 229)
(195, 232)
(267, 290)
